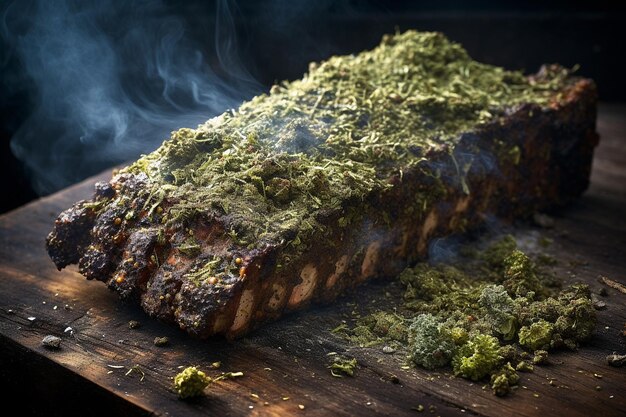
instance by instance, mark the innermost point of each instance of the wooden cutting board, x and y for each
(285, 363)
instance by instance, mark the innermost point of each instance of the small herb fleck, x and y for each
(161, 341)
(136, 369)
(134, 324)
(342, 366)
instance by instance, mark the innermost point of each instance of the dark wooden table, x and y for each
(285, 363)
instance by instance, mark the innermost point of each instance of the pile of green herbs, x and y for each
(491, 314)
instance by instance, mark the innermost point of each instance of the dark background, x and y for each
(277, 39)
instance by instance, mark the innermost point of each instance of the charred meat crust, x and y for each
(71, 235)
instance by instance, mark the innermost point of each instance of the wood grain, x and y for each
(290, 358)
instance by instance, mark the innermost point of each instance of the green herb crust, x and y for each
(277, 163)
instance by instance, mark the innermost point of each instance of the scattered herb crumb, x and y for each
(541, 357)
(134, 324)
(161, 341)
(136, 369)
(229, 375)
(191, 382)
(524, 366)
(503, 380)
(342, 366)
(342, 327)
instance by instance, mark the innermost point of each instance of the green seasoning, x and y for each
(430, 345)
(481, 316)
(477, 358)
(190, 382)
(272, 168)
(342, 366)
(161, 341)
(503, 380)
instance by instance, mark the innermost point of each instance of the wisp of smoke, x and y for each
(111, 80)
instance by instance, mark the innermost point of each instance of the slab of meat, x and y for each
(325, 182)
